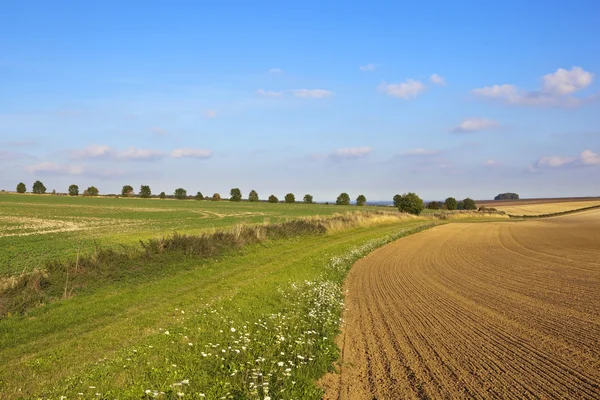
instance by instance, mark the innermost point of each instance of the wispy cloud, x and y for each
(557, 90)
(269, 93)
(420, 152)
(19, 143)
(350, 152)
(159, 131)
(312, 93)
(405, 90)
(191, 153)
(275, 71)
(585, 158)
(368, 67)
(588, 157)
(96, 151)
(437, 79)
(53, 169)
(210, 113)
(140, 154)
(491, 163)
(475, 125)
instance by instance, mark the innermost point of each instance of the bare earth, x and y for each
(494, 310)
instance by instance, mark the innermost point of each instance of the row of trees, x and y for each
(452, 204)
(413, 204)
(408, 202)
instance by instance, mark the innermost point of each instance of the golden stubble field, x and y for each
(495, 310)
(540, 206)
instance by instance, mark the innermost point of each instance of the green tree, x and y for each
(411, 203)
(92, 191)
(469, 204)
(39, 188)
(451, 203)
(361, 200)
(397, 198)
(199, 196)
(253, 196)
(235, 195)
(460, 205)
(127, 191)
(308, 199)
(180, 194)
(343, 199)
(507, 196)
(162, 195)
(273, 199)
(216, 197)
(145, 191)
(290, 198)
(73, 190)
(434, 205)
(21, 188)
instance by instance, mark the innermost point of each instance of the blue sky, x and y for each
(441, 98)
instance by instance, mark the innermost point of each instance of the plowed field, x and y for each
(495, 310)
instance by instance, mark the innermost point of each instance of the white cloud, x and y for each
(585, 158)
(368, 67)
(475, 124)
(94, 151)
(437, 79)
(557, 90)
(191, 153)
(491, 163)
(566, 82)
(350, 152)
(269, 93)
(420, 152)
(275, 70)
(210, 113)
(53, 169)
(139, 154)
(588, 157)
(312, 93)
(554, 161)
(405, 90)
(106, 152)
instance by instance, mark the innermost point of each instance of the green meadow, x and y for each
(252, 316)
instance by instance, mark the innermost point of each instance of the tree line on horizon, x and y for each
(408, 202)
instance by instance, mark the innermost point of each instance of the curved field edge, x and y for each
(555, 214)
(250, 325)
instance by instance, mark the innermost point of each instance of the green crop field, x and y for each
(35, 229)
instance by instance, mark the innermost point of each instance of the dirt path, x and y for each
(495, 310)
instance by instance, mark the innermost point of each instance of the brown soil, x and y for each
(495, 310)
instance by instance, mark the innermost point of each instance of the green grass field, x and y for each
(255, 322)
(35, 229)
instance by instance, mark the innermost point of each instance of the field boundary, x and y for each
(556, 214)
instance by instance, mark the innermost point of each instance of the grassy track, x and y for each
(34, 229)
(54, 350)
